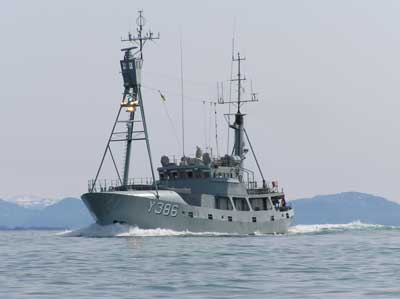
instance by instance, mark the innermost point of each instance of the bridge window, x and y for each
(241, 204)
(277, 201)
(260, 204)
(223, 203)
(190, 174)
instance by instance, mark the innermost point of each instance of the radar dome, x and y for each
(206, 158)
(164, 160)
(198, 152)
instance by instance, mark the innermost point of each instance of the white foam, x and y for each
(318, 228)
(124, 230)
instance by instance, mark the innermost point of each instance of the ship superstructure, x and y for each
(199, 194)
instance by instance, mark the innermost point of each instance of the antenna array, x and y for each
(141, 38)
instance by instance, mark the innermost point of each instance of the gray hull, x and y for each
(170, 211)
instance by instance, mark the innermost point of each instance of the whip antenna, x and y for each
(182, 97)
(230, 82)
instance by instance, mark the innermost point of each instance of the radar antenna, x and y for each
(141, 38)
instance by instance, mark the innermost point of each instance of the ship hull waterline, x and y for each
(144, 210)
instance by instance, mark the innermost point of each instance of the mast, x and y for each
(131, 68)
(238, 125)
(136, 129)
(130, 92)
(239, 117)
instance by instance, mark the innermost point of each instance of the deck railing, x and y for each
(145, 183)
(254, 187)
(104, 185)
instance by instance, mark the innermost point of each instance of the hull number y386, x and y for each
(166, 209)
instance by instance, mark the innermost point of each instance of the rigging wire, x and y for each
(171, 122)
(190, 98)
(176, 78)
(207, 137)
(210, 128)
(207, 127)
(216, 129)
(205, 124)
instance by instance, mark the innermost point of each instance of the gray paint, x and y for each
(132, 207)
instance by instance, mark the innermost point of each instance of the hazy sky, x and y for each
(326, 73)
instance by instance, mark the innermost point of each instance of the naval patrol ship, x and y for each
(203, 193)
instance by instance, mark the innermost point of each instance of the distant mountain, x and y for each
(12, 215)
(66, 213)
(31, 202)
(345, 208)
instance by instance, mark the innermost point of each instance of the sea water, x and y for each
(353, 260)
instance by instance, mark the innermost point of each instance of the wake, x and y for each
(123, 230)
(335, 228)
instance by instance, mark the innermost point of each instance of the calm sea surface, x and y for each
(329, 261)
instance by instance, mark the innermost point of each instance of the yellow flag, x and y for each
(162, 97)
